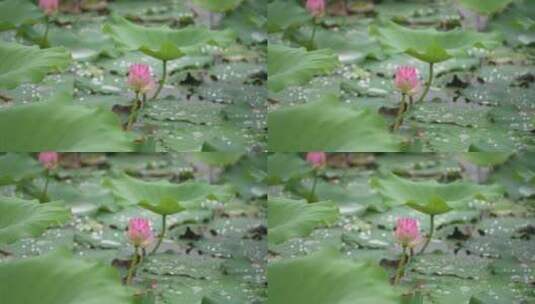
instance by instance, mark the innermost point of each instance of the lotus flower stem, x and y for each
(313, 191)
(431, 230)
(134, 113)
(211, 20)
(401, 266)
(133, 264)
(44, 196)
(162, 81)
(428, 83)
(47, 28)
(161, 236)
(314, 28)
(402, 109)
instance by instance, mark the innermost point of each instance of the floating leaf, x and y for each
(434, 206)
(285, 15)
(60, 125)
(289, 218)
(486, 158)
(164, 197)
(327, 277)
(430, 45)
(166, 206)
(432, 197)
(218, 158)
(21, 218)
(15, 167)
(22, 64)
(283, 167)
(328, 125)
(486, 7)
(14, 13)
(162, 42)
(295, 66)
(60, 278)
(219, 6)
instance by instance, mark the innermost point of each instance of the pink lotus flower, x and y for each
(49, 159)
(140, 232)
(407, 80)
(317, 159)
(316, 7)
(407, 232)
(139, 78)
(49, 6)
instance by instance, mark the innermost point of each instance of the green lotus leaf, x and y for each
(292, 218)
(166, 206)
(22, 218)
(285, 15)
(60, 125)
(284, 167)
(15, 167)
(218, 158)
(327, 277)
(434, 206)
(163, 43)
(486, 7)
(14, 13)
(84, 45)
(219, 6)
(163, 197)
(430, 45)
(22, 64)
(328, 125)
(60, 278)
(296, 66)
(486, 158)
(431, 197)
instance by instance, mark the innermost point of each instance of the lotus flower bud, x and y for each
(139, 78)
(407, 232)
(316, 7)
(49, 6)
(49, 160)
(407, 80)
(140, 232)
(317, 159)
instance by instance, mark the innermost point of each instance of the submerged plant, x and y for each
(140, 235)
(140, 80)
(317, 9)
(50, 161)
(407, 234)
(408, 83)
(49, 7)
(318, 160)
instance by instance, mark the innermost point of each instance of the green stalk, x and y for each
(428, 84)
(44, 194)
(45, 36)
(161, 236)
(162, 81)
(133, 264)
(401, 266)
(211, 20)
(311, 42)
(133, 113)
(432, 228)
(313, 191)
(399, 116)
